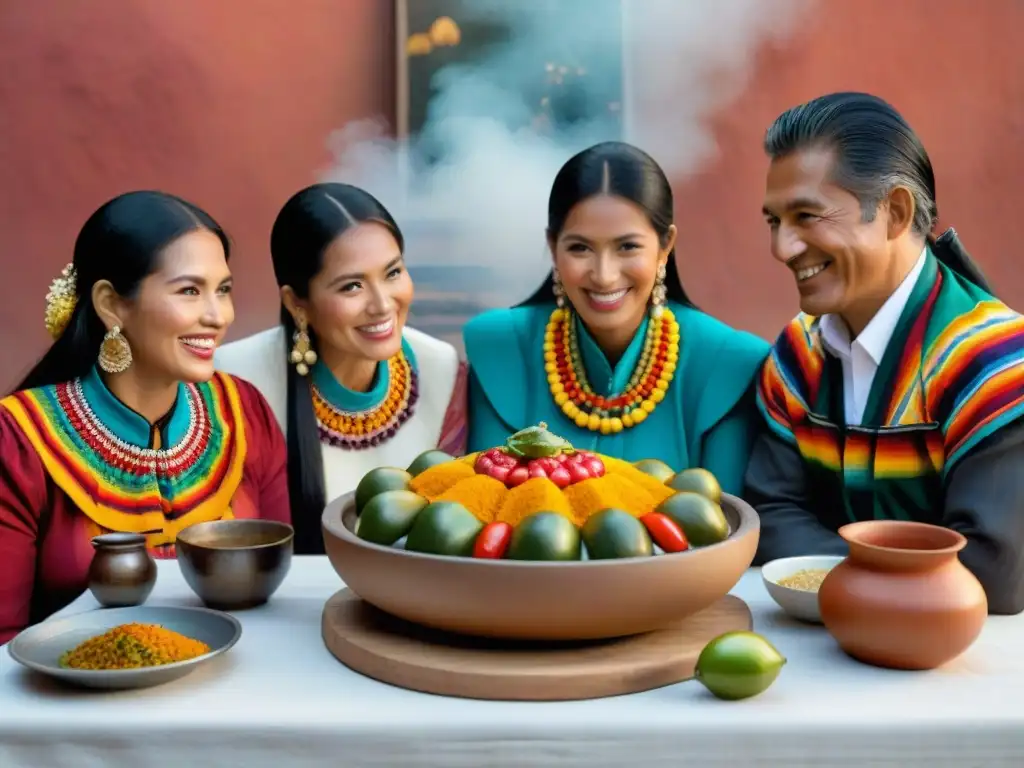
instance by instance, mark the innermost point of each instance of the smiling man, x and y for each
(898, 391)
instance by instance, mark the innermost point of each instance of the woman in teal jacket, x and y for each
(610, 352)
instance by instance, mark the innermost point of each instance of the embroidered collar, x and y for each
(123, 486)
(126, 424)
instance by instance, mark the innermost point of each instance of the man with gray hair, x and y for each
(898, 392)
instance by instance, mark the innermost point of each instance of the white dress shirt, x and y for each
(861, 357)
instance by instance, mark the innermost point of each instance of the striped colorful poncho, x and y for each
(952, 376)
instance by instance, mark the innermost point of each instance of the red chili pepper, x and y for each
(492, 541)
(665, 532)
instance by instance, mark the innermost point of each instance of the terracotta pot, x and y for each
(902, 599)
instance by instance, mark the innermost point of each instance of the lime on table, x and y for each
(738, 665)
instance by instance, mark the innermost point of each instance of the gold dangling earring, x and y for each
(658, 293)
(115, 352)
(557, 289)
(302, 355)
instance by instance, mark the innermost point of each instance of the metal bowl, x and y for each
(40, 647)
(511, 599)
(235, 564)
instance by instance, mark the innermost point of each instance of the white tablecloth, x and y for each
(280, 699)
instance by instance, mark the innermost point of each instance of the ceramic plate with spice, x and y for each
(793, 583)
(120, 648)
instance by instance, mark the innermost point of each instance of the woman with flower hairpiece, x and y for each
(353, 386)
(610, 351)
(123, 425)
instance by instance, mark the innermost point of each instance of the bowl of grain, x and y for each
(125, 648)
(793, 583)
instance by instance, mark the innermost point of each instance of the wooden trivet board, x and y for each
(394, 651)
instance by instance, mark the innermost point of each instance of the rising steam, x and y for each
(486, 203)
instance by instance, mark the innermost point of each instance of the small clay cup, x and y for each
(122, 573)
(902, 599)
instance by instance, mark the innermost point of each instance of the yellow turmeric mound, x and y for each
(623, 469)
(431, 483)
(623, 486)
(591, 496)
(131, 646)
(537, 494)
(480, 494)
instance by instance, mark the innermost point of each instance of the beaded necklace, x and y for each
(359, 430)
(131, 459)
(571, 390)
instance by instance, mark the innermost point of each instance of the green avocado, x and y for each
(544, 536)
(428, 459)
(738, 665)
(701, 519)
(657, 469)
(388, 516)
(444, 528)
(613, 533)
(697, 480)
(379, 480)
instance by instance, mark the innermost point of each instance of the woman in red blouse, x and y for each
(124, 425)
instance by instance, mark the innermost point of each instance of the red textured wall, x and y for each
(230, 102)
(226, 102)
(956, 72)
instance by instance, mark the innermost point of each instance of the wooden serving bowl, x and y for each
(521, 600)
